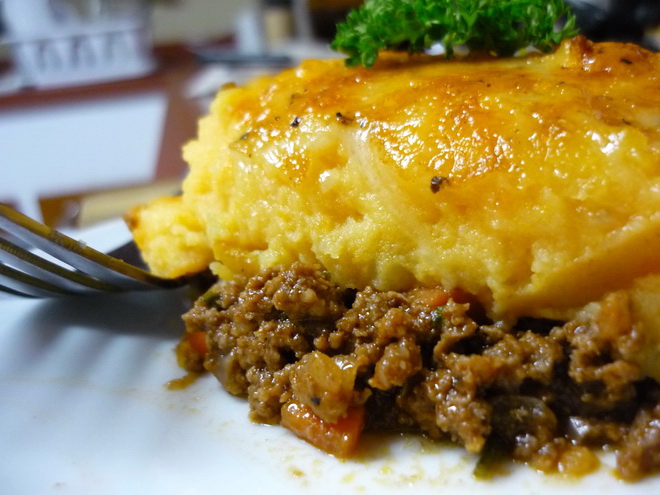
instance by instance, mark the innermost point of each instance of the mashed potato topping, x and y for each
(532, 183)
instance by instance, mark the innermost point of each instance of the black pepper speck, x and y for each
(438, 182)
(343, 119)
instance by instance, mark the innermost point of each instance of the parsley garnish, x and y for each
(500, 27)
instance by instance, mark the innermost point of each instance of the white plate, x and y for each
(84, 410)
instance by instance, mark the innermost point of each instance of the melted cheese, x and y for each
(531, 182)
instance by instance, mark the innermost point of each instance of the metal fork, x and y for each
(24, 271)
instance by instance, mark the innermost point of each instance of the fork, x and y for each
(76, 268)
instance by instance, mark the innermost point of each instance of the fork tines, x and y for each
(73, 267)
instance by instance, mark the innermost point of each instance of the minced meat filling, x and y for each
(428, 360)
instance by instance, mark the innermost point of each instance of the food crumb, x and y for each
(183, 382)
(294, 471)
(348, 478)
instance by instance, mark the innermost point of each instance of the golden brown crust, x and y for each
(164, 229)
(532, 182)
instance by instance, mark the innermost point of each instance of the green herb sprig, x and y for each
(500, 27)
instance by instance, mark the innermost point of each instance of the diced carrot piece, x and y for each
(339, 439)
(431, 297)
(198, 342)
(437, 296)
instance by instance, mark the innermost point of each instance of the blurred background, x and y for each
(98, 96)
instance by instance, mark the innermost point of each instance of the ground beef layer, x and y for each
(545, 392)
